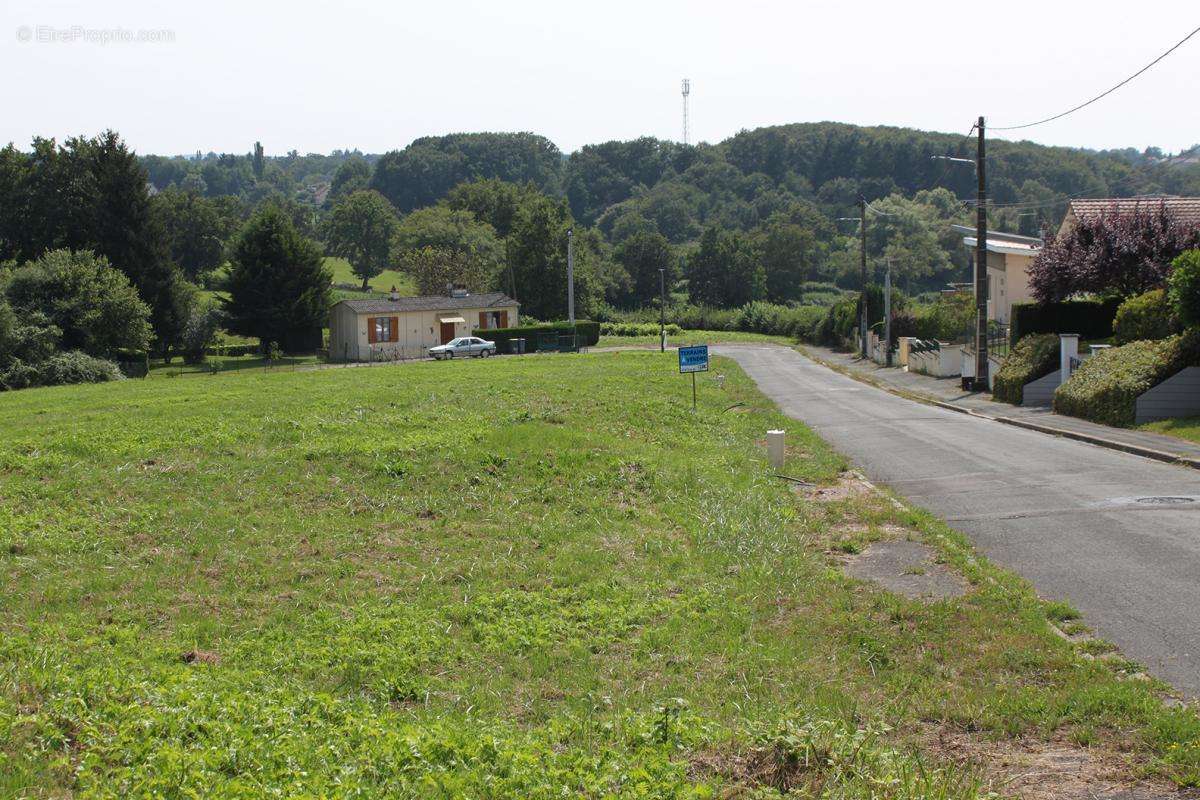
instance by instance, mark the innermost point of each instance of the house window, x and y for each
(493, 319)
(382, 328)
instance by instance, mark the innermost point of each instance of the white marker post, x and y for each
(775, 448)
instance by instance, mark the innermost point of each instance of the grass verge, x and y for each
(371, 582)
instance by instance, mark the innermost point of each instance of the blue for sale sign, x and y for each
(693, 359)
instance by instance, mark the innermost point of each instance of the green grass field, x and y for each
(539, 577)
(1183, 427)
(380, 284)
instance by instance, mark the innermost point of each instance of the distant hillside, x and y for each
(736, 183)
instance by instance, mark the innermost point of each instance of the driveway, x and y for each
(1115, 534)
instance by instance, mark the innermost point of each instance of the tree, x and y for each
(257, 161)
(93, 305)
(492, 201)
(194, 229)
(1111, 253)
(278, 288)
(722, 271)
(444, 229)
(1184, 291)
(536, 252)
(352, 175)
(432, 268)
(359, 229)
(789, 248)
(643, 254)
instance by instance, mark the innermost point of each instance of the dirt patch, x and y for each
(1058, 769)
(850, 484)
(200, 657)
(906, 568)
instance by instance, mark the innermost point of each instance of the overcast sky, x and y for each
(315, 77)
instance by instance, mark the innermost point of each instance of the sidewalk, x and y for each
(948, 393)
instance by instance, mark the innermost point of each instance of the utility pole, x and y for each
(862, 317)
(887, 314)
(571, 276)
(662, 311)
(981, 274)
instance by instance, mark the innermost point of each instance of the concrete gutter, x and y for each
(1100, 441)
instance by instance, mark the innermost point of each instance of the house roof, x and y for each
(1185, 209)
(437, 302)
(999, 242)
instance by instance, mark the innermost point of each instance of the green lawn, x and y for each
(536, 577)
(222, 364)
(694, 337)
(1182, 427)
(380, 284)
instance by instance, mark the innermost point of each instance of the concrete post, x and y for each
(1068, 352)
(775, 448)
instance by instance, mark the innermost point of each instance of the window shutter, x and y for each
(504, 319)
(370, 330)
(395, 329)
(482, 320)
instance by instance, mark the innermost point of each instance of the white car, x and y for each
(464, 346)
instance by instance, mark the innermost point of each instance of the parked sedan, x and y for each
(464, 346)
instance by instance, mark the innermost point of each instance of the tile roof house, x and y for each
(406, 327)
(1184, 209)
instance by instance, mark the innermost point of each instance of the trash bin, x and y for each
(520, 343)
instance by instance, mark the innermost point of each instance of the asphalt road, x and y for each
(1062, 513)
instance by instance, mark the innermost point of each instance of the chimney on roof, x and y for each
(394, 295)
(459, 290)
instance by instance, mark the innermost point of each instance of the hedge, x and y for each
(637, 329)
(1147, 316)
(1106, 387)
(1091, 319)
(1033, 357)
(587, 331)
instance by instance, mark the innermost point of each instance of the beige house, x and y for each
(1008, 262)
(406, 327)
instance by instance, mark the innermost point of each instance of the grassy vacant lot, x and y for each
(1183, 427)
(538, 577)
(380, 284)
(693, 337)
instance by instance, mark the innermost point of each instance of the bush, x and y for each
(1033, 357)
(1106, 387)
(1147, 316)
(1184, 287)
(199, 333)
(776, 320)
(60, 368)
(1091, 319)
(637, 329)
(77, 367)
(587, 331)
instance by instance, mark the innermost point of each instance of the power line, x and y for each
(1179, 44)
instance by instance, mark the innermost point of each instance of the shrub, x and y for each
(1147, 316)
(637, 329)
(60, 368)
(587, 331)
(775, 320)
(1184, 287)
(946, 319)
(76, 367)
(1033, 357)
(199, 333)
(1091, 319)
(1106, 387)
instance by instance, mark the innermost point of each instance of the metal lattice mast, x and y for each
(687, 90)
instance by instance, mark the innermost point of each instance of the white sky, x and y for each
(315, 77)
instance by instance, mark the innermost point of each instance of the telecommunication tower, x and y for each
(687, 90)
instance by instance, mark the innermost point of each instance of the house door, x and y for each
(447, 332)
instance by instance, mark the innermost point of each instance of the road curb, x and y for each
(1099, 441)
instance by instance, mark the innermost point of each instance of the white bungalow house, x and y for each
(1009, 259)
(406, 327)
